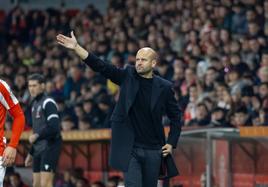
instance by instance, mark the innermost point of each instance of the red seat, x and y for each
(261, 179)
(115, 173)
(93, 176)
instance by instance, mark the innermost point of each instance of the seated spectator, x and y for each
(84, 123)
(263, 74)
(190, 111)
(63, 109)
(104, 112)
(82, 182)
(223, 96)
(97, 87)
(218, 43)
(65, 181)
(73, 177)
(256, 105)
(202, 116)
(67, 123)
(263, 116)
(218, 118)
(79, 112)
(263, 90)
(89, 109)
(15, 180)
(256, 121)
(236, 63)
(209, 79)
(113, 181)
(242, 117)
(73, 83)
(264, 58)
(59, 81)
(234, 81)
(97, 184)
(246, 97)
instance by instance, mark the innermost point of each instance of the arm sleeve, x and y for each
(10, 102)
(174, 115)
(109, 71)
(52, 119)
(31, 151)
(17, 125)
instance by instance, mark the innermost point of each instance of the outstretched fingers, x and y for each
(59, 42)
(62, 38)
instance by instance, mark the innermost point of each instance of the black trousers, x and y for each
(143, 168)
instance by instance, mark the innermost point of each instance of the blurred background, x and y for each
(214, 51)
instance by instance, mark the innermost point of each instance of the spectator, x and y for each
(202, 116)
(73, 83)
(242, 118)
(210, 44)
(104, 112)
(190, 112)
(66, 180)
(67, 123)
(81, 182)
(15, 180)
(263, 90)
(218, 117)
(84, 124)
(97, 184)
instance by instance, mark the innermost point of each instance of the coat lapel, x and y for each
(156, 91)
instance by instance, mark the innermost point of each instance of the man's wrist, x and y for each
(76, 46)
(81, 52)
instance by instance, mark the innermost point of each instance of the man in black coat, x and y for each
(138, 140)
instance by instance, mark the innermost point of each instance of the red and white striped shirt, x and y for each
(9, 103)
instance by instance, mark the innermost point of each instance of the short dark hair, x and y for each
(37, 77)
(264, 84)
(203, 105)
(241, 109)
(247, 91)
(85, 119)
(67, 118)
(16, 174)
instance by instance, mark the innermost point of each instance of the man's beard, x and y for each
(144, 71)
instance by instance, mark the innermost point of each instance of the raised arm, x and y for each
(108, 70)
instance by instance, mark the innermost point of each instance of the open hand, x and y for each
(9, 156)
(68, 42)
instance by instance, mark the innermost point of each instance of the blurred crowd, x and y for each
(76, 178)
(69, 178)
(13, 179)
(214, 51)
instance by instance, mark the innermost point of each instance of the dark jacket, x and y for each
(163, 102)
(45, 122)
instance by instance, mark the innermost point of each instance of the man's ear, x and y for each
(43, 85)
(154, 63)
